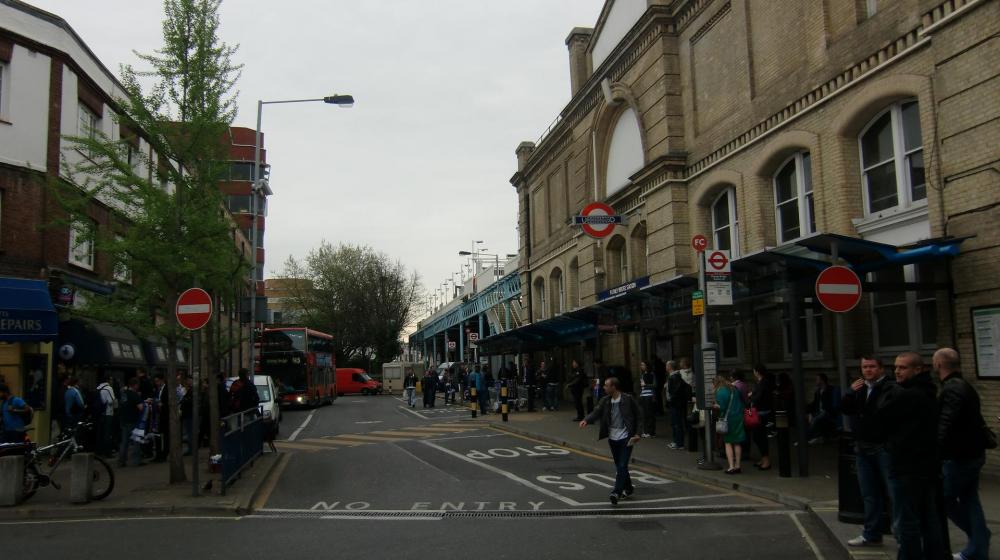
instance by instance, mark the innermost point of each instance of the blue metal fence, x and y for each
(242, 441)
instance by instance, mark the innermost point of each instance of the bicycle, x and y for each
(42, 462)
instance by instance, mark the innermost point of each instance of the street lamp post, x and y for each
(259, 186)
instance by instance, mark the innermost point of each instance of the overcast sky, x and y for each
(420, 166)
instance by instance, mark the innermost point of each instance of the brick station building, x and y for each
(778, 130)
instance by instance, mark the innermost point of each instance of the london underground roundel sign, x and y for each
(194, 308)
(598, 220)
(838, 288)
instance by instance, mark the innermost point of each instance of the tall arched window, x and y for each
(892, 158)
(616, 262)
(625, 155)
(637, 251)
(538, 305)
(557, 297)
(726, 223)
(573, 284)
(793, 198)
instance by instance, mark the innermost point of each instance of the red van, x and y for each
(354, 380)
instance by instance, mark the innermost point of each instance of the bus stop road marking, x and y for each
(370, 439)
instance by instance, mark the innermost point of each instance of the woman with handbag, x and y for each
(762, 400)
(730, 422)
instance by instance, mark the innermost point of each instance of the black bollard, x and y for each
(473, 401)
(784, 444)
(503, 402)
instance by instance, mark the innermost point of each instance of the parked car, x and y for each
(354, 380)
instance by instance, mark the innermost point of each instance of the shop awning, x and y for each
(156, 352)
(101, 344)
(26, 311)
(863, 255)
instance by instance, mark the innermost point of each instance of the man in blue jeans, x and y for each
(620, 420)
(869, 446)
(963, 453)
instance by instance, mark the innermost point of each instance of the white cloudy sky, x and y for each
(445, 91)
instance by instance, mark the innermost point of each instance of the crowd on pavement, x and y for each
(130, 420)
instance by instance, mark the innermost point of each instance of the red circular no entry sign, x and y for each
(194, 308)
(838, 288)
(598, 220)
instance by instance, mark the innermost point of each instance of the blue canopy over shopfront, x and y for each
(26, 311)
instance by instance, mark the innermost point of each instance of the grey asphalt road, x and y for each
(370, 475)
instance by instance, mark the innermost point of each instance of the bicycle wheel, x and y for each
(31, 477)
(102, 479)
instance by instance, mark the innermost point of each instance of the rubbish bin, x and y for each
(851, 506)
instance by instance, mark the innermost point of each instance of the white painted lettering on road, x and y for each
(503, 453)
(468, 506)
(353, 506)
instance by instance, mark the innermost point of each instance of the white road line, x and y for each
(660, 500)
(295, 434)
(805, 535)
(501, 472)
(465, 437)
(415, 413)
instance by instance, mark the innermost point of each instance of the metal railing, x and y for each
(241, 441)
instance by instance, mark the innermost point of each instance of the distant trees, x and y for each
(358, 295)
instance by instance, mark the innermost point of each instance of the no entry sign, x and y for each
(838, 288)
(598, 220)
(194, 308)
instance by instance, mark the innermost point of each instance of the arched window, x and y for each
(625, 155)
(538, 305)
(725, 222)
(892, 159)
(637, 251)
(573, 284)
(557, 297)
(616, 262)
(793, 198)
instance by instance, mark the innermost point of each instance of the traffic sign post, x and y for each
(709, 462)
(699, 243)
(838, 289)
(718, 278)
(598, 220)
(697, 303)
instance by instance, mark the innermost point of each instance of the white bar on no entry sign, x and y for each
(194, 308)
(845, 289)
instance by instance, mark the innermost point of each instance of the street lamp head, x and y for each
(464, 253)
(343, 101)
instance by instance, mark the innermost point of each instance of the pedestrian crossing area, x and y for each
(344, 441)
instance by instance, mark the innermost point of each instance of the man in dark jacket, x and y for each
(577, 386)
(678, 396)
(429, 386)
(871, 457)
(620, 420)
(963, 453)
(529, 381)
(910, 416)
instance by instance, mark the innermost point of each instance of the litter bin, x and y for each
(851, 506)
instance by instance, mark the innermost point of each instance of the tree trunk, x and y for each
(176, 457)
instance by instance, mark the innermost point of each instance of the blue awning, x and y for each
(26, 312)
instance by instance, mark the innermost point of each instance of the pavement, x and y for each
(816, 494)
(146, 491)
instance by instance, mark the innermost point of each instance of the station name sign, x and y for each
(624, 288)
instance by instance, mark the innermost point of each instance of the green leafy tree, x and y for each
(360, 296)
(176, 231)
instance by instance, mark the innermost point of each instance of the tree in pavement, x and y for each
(176, 233)
(360, 296)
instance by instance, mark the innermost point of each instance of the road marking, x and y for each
(439, 469)
(153, 517)
(393, 433)
(283, 445)
(370, 438)
(369, 422)
(295, 434)
(475, 436)
(264, 493)
(501, 472)
(414, 412)
(343, 442)
(805, 535)
(661, 500)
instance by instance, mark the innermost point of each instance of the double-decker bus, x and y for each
(302, 363)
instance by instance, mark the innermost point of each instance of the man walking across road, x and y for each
(909, 413)
(963, 453)
(620, 419)
(871, 457)
(410, 388)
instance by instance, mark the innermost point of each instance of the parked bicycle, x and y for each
(42, 462)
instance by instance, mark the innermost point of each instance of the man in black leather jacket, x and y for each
(909, 413)
(963, 453)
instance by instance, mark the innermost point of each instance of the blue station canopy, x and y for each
(26, 312)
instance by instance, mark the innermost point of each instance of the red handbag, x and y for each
(751, 419)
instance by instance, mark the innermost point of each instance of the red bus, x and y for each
(302, 363)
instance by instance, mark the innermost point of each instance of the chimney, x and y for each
(579, 62)
(524, 151)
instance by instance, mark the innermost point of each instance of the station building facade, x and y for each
(777, 130)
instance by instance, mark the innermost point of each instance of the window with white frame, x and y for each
(122, 271)
(617, 262)
(892, 159)
(871, 7)
(728, 335)
(89, 123)
(81, 243)
(794, 213)
(725, 222)
(904, 320)
(810, 333)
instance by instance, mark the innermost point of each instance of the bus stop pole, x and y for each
(704, 348)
